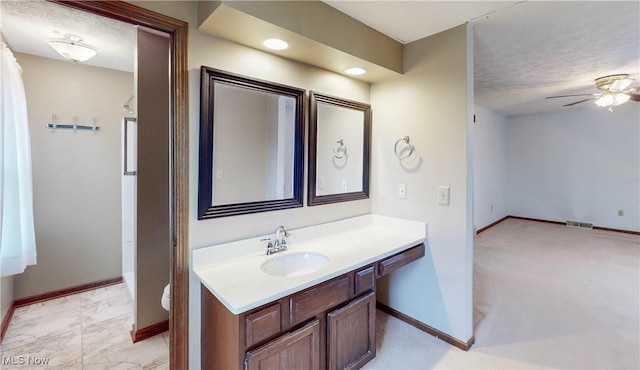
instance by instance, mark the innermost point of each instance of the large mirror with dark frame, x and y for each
(339, 149)
(251, 145)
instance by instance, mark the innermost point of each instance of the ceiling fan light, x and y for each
(605, 100)
(73, 51)
(620, 98)
(619, 85)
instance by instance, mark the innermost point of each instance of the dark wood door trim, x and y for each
(179, 157)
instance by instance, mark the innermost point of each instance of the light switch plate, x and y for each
(402, 191)
(443, 195)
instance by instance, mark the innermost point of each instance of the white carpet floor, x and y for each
(545, 296)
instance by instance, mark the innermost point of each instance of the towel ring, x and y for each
(341, 151)
(411, 147)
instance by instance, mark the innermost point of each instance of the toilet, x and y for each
(166, 297)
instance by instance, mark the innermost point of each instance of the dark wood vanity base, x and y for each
(328, 326)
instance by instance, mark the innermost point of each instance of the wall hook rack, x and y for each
(408, 146)
(74, 126)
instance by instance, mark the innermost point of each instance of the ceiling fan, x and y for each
(614, 91)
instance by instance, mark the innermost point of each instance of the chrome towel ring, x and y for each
(341, 151)
(407, 143)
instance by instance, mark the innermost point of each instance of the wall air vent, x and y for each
(581, 225)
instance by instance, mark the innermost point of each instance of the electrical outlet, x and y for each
(402, 191)
(620, 212)
(219, 175)
(443, 195)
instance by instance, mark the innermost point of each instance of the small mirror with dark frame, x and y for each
(339, 150)
(251, 145)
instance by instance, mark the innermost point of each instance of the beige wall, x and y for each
(547, 176)
(431, 103)
(490, 160)
(76, 175)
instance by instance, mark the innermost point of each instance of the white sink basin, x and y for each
(294, 263)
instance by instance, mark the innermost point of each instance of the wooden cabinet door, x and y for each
(352, 334)
(297, 350)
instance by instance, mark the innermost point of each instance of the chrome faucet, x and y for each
(280, 241)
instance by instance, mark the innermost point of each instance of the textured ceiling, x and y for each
(523, 51)
(27, 25)
(535, 49)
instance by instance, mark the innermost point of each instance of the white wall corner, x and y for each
(470, 185)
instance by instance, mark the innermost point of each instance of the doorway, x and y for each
(178, 158)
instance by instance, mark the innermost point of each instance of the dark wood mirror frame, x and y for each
(312, 198)
(206, 209)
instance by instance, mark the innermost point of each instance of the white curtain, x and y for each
(17, 235)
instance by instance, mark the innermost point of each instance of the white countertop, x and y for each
(232, 272)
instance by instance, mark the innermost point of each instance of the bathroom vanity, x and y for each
(309, 307)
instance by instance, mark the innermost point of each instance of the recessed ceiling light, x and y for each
(275, 44)
(355, 71)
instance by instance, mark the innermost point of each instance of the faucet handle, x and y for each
(270, 247)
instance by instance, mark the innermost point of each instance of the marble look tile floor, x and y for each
(89, 330)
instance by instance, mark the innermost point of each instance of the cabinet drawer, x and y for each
(262, 324)
(318, 299)
(364, 280)
(395, 262)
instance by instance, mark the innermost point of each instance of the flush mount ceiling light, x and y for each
(72, 48)
(355, 71)
(275, 44)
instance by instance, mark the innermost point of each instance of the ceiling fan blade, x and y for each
(567, 96)
(634, 97)
(577, 102)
